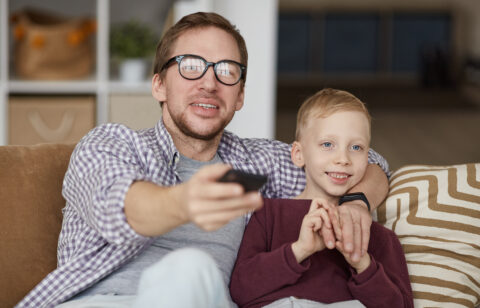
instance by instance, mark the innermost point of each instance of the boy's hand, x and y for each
(359, 265)
(316, 228)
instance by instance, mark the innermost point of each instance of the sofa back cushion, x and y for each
(30, 203)
(435, 212)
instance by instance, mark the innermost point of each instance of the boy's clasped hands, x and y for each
(322, 228)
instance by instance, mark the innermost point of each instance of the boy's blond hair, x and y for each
(325, 103)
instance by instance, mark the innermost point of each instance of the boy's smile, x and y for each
(338, 177)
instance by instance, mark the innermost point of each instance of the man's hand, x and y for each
(359, 265)
(316, 230)
(210, 204)
(355, 221)
(153, 210)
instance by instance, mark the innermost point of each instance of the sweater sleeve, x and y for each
(259, 271)
(385, 283)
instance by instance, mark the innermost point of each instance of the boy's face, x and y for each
(334, 152)
(200, 108)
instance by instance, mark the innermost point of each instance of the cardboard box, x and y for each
(136, 111)
(49, 119)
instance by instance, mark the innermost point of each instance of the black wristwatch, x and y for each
(354, 196)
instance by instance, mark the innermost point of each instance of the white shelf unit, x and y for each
(100, 84)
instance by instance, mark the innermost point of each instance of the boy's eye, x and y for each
(356, 147)
(326, 144)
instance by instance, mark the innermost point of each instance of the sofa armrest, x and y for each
(30, 203)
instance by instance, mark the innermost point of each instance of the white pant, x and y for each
(184, 278)
(293, 302)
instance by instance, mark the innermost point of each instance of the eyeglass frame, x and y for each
(179, 59)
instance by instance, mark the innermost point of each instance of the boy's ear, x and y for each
(159, 91)
(297, 155)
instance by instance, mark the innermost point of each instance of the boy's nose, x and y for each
(342, 158)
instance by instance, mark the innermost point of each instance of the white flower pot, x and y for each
(133, 70)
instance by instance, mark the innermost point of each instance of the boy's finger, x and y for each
(325, 217)
(339, 247)
(317, 224)
(313, 206)
(328, 237)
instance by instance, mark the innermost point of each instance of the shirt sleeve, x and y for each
(103, 166)
(375, 158)
(385, 283)
(271, 270)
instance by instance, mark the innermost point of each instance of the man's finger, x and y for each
(335, 221)
(357, 240)
(216, 190)
(247, 202)
(366, 224)
(214, 220)
(347, 231)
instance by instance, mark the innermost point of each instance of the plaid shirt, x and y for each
(96, 239)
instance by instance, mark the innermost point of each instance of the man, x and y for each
(134, 196)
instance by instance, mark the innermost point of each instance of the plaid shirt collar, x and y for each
(230, 149)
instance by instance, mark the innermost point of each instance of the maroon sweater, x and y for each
(266, 269)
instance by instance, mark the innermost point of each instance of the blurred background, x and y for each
(66, 66)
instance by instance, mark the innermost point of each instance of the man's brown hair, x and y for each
(325, 103)
(195, 21)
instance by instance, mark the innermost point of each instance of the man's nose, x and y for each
(209, 80)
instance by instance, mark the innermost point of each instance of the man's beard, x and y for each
(187, 131)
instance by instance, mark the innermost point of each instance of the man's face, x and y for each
(200, 108)
(334, 151)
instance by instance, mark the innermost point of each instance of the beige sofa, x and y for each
(435, 211)
(31, 217)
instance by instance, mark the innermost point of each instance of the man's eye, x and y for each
(224, 72)
(192, 68)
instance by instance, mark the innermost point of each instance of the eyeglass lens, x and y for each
(226, 71)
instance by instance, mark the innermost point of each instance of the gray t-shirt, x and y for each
(221, 244)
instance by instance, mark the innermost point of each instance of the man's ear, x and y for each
(297, 155)
(240, 99)
(159, 90)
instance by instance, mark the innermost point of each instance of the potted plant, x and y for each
(131, 44)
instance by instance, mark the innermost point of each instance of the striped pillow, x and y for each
(435, 212)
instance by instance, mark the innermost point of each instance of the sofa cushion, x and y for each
(435, 212)
(30, 221)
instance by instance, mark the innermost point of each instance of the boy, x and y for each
(282, 261)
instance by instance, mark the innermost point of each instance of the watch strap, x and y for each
(354, 196)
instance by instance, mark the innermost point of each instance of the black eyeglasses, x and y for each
(193, 67)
